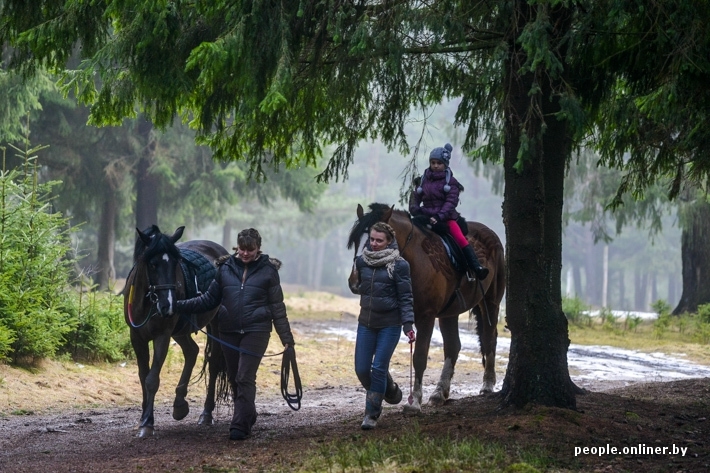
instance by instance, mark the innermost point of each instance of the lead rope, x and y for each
(410, 400)
(288, 363)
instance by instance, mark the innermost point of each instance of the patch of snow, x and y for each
(587, 363)
(623, 314)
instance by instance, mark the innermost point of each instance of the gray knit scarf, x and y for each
(387, 257)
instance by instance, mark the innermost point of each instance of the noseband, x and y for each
(153, 296)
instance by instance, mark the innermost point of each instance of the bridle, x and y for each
(406, 242)
(151, 295)
(158, 287)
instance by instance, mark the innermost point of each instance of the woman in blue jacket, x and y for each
(385, 290)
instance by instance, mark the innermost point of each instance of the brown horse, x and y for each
(157, 280)
(442, 292)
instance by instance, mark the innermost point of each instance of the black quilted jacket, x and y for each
(384, 302)
(252, 295)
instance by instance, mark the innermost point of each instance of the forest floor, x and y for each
(66, 417)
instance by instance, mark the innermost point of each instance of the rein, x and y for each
(288, 363)
(409, 237)
(151, 295)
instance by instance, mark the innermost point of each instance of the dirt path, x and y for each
(102, 439)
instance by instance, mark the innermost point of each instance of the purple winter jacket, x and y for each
(433, 201)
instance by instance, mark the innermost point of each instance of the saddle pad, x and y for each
(198, 270)
(454, 253)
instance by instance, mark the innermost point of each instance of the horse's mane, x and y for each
(375, 214)
(363, 225)
(159, 242)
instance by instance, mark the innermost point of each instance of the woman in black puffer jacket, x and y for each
(385, 290)
(248, 287)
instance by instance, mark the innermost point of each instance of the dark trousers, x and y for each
(241, 372)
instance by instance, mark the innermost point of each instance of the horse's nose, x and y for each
(166, 308)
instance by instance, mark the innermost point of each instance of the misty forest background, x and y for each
(625, 260)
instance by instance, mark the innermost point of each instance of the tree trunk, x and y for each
(146, 182)
(605, 276)
(107, 239)
(592, 269)
(672, 288)
(532, 211)
(311, 263)
(227, 234)
(695, 256)
(318, 265)
(654, 288)
(640, 290)
(577, 274)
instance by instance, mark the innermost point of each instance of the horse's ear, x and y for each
(386, 216)
(360, 211)
(144, 238)
(178, 233)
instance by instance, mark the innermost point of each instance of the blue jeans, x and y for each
(373, 350)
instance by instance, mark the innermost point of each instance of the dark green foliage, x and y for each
(18, 98)
(654, 62)
(269, 83)
(41, 314)
(34, 291)
(576, 311)
(100, 332)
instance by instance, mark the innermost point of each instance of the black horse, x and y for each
(162, 273)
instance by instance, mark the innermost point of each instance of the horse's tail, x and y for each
(483, 342)
(214, 365)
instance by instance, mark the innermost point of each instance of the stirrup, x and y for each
(470, 275)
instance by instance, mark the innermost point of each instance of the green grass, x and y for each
(414, 451)
(674, 335)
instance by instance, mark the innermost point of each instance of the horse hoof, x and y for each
(437, 399)
(487, 388)
(144, 432)
(206, 419)
(180, 410)
(411, 409)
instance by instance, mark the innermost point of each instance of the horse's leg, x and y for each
(142, 351)
(449, 327)
(152, 382)
(190, 350)
(487, 329)
(425, 328)
(214, 361)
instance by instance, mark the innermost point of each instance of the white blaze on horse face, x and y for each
(169, 298)
(363, 242)
(170, 302)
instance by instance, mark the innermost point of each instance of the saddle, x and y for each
(198, 270)
(453, 250)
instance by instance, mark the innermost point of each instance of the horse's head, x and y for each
(360, 229)
(157, 253)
